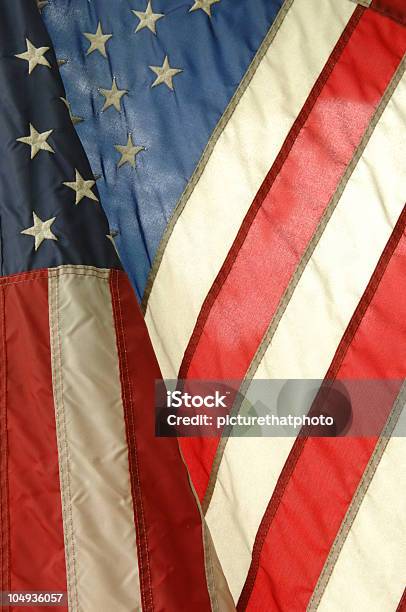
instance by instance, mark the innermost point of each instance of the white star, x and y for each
(34, 56)
(41, 4)
(41, 230)
(74, 118)
(147, 19)
(128, 152)
(82, 188)
(113, 96)
(204, 5)
(97, 41)
(37, 141)
(164, 74)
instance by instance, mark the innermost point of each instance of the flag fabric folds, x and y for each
(91, 504)
(250, 156)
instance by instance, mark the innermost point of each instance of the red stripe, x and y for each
(167, 519)
(287, 210)
(4, 506)
(320, 476)
(402, 603)
(36, 531)
(395, 9)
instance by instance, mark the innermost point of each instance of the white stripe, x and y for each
(95, 485)
(370, 573)
(311, 328)
(240, 161)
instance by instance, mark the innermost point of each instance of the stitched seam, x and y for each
(137, 491)
(300, 443)
(358, 497)
(34, 275)
(326, 218)
(263, 191)
(115, 291)
(211, 583)
(267, 519)
(207, 552)
(4, 506)
(288, 144)
(368, 296)
(128, 405)
(217, 132)
(268, 336)
(63, 449)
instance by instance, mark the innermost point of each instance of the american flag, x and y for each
(92, 505)
(250, 157)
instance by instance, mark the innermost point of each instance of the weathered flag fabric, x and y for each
(250, 157)
(93, 508)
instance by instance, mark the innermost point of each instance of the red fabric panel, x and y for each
(320, 476)
(395, 9)
(167, 519)
(287, 210)
(4, 505)
(37, 558)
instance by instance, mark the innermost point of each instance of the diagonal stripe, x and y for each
(373, 558)
(36, 539)
(100, 543)
(357, 500)
(306, 338)
(304, 261)
(240, 160)
(402, 603)
(321, 475)
(194, 179)
(240, 270)
(283, 218)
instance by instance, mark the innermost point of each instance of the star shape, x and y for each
(113, 96)
(41, 230)
(37, 141)
(74, 118)
(204, 5)
(41, 4)
(164, 74)
(34, 56)
(147, 18)
(128, 152)
(97, 41)
(82, 188)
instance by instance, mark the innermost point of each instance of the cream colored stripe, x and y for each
(239, 162)
(302, 265)
(225, 118)
(357, 500)
(101, 552)
(310, 330)
(369, 575)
